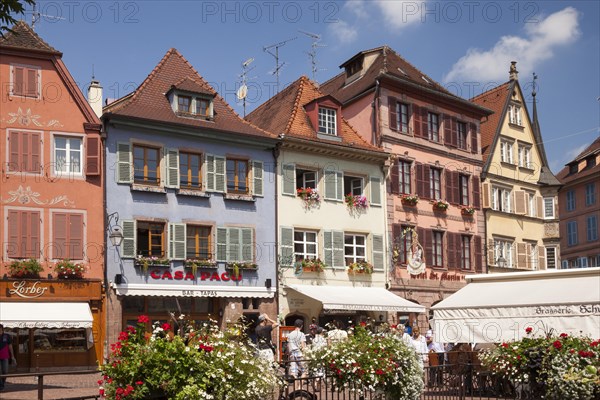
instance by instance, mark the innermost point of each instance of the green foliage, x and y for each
(69, 270)
(25, 269)
(7, 9)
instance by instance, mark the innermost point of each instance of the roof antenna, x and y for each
(278, 66)
(93, 73)
(533, 92)
(312, 54)
(242, 92)
(35, 16)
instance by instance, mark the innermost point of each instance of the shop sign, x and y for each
(27, 291)
(583, 309)
(203, 276)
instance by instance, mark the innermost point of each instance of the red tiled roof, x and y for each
(284, 114)
(23, 37)
(149, 100)
(593, 149)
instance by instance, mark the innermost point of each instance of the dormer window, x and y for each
(202, 107)
(590, 162)
(327, 121)
(353, 68)
(184, 104)
(193, 106)
(573, 168)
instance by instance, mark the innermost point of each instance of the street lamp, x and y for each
(116, 236)
(501, 262)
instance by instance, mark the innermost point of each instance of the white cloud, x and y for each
(400, 13)
(358, 8)
(344, 32)
(541, 39)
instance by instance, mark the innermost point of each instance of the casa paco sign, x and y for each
(203, 276)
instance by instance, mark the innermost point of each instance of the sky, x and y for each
(466, 46)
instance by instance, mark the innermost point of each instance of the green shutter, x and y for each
(124, 174)
(172, 163)
(286, 245)
(221, 244)
(288, 180)
(177, 241)
(257, 178)
(210, 172)
(234, 245)
(247, 245)
(128, 245)
(339, 176)
(330, 184)
(328, 248)
(375, 191)
(220, 174)
(338, 249)
(377, 250)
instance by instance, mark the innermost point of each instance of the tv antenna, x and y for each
(242, 92)
(278, 66)
(36, 16)
(312, 54)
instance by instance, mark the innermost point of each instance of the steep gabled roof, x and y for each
(149, 101)
(285, 114)
(592, 150)
(23, 37)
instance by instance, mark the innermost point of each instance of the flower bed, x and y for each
(66, 269)
(360, 267)
(25, 269)
(310, 196)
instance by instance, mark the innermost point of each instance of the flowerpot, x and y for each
(409, 203)
(439, 209)
(310, 269)
(70, 276)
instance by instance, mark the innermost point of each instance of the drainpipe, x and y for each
(376, 140)
(105, 223)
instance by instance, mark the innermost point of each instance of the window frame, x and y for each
(402, 117)
(302, 182)
(463, 190)
(435, 183)
(590, 194)
(546, 215)
(305, 242)
(437, 249)
(504, 248)
(82, 153)
(524, 155)
(327, 120)
(236, 178)
(570, 200)
(196, 236)
(404, 176)
(572, 238)
(148, 225)
(13, 83)
(146, 180)
(462, 135)
(591, 228)
(189, 105)
(501, 199)
(506, 151)
(354, 246)
(515, 115)
(433, 126)
(187, 154)
(465, 252)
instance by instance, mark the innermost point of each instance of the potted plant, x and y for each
(355, 202)
(440, 205)
(151, 261)
(360, 267)
(409, 199)
(309, 196)
(25, 269)
(65, 269)
(312, 265)
(195, 263)
(467, 210)
(236, 267)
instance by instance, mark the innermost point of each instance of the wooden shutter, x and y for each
(129, 245)
(395, 178)
(32, 235)
(377, 252)
(474, 144)
(338, 249)
(257, 178)
(454, 132)
(490, 252)
(247, 242)
(542, 258)
(177, 241)
(124, 167)
(209, 162)
(476, 192)
(14, 156)
(450, 186)
(375, 184)
(478, 254)
(425, 123)
(14, 227)
(286, 247)
(32, 82)
(520, 202)
(222, 244)
(18, 81)
(30, 151)
(220, 177)
(451, 250)
(539, 206)
(92, 156)
(75, 232)
(522, 259)
(416, 120)
(392, 112)
(234, 242)
(328, 248)
(485, 190)
(447, 130)
(172, 164)
(288, 180)
(427, 244)
(397, 241)
(420, 180)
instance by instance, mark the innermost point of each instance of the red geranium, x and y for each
(166, 326)
(557, 344)
(528, 329)
(564, 335)
(143, 319)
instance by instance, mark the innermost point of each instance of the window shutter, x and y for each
(338, 249)
(92, 156)
(377, 250)
(491, 260)
(522, 259)
(210, 172)
(416, 120)
(286, 246)
(129, 245)
(454, 134)
(419, 173)
(328, 248)
(425, 123)
(14, 159)
(478, 254)
(13, 247)
(257, 178)
(124, 167)
(452, 246)
(542, 258)
(19, 81)
(425, 183)
(220, 175)
(540, 206)
(339, 176)
(427, 244)
(288, 178)
(177, 241)
(75, 236)
(450, 192)
(392, 111)
(395, 177)
(172, 163)
(233, 245)
(474, 144)
(32, 82)
(448, 131)
(476, 192)
(222, 244)
(456, 186)
(485, 191)
(397, 241)
(330, 184)
(520, 202)
(33, 162)
(375, 191)
(247, 244)
(32, 236)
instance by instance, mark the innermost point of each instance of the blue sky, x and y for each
(465, 45)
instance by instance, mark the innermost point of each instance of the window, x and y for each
(305, 245)
(572, 233)
(590, 194)
(592, 228)
(235, 244)
(355, 248)
(570, 200)
(551, 257)
(23, 234)
(198, 242)
(25, 81)
(237, 176)
(433, 126)
(573, 168)
(184, 104)
(353, 185)
(515, 114)
(533, 256)
(506, 152)
(190, 171)
(437, 259)
(145, 165)
(503, 249)
(501, 199)
(67, 236)
(202, 107)
(25, 150)
(463, 182)
(524, 156)
(590, 162)
(67, 155)
(549, 207)
(462, 135)
(150, 239)
(404, 177)
(465, 258)
(402, 117)
(404, 244)
(435, 183)
(327, 121)
(531, 204)
(306, 179)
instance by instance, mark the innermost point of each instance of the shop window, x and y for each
(60, 340)
(151, 239)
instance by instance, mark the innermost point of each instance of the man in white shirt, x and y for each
(436, 351)
(296, 343)
(417, 341)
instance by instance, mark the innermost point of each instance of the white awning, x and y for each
(140, 289)
(351, 298)
(45, 315)
(499, 307)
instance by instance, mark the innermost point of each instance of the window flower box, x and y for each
(309, 196)
(65, 269)
(195, 263)
(409, 199)
(360, 267)
(356, 202)
(440, 205)
(25, 269)
(311, 265)
(236, 267)
(151, 261)
(467, 211)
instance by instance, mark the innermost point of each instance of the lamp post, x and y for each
(116, 236)
(501, 262)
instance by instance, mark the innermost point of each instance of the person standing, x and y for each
(6, 353)
(296, 344)
(264, 331)
(418, 342)
(436, 365)
(338, 334)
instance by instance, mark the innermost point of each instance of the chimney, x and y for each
(513, 74)
(95, 97)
